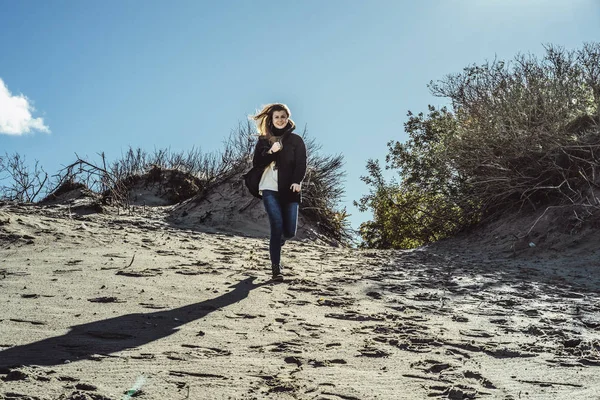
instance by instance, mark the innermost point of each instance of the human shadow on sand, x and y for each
(116, 334)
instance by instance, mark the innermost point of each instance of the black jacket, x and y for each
(290, 161)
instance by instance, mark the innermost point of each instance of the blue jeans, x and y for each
(283, 218)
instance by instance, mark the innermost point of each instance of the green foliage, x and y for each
(522, 133)
(423, 207)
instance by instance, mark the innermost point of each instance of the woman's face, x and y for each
(280, 119)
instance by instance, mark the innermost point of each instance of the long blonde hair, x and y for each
(264, 119)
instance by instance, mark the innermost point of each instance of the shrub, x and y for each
(520, 134)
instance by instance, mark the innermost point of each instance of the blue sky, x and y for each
(99, 76)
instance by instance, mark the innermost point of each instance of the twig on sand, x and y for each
(250, 203)
(131, 263)
(543, 383)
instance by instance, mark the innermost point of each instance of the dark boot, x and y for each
(276, 270)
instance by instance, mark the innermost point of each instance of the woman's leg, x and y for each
(290, 220)
(273, 208)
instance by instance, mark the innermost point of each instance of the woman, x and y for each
(282, 154)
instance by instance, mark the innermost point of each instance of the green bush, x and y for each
(520, 134)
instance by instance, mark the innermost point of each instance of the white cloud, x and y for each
(15, 114)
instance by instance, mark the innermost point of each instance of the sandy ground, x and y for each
(108, 306)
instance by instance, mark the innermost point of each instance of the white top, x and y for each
(268, 181)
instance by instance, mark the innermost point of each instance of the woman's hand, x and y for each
(296, 187)
(275, 148)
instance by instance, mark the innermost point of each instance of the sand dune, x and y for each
(108, 306)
